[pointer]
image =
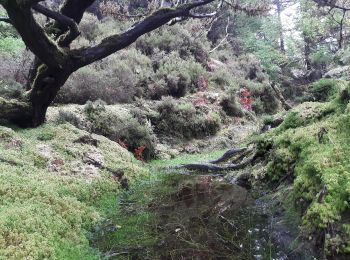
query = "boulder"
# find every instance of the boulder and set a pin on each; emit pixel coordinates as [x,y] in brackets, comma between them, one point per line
[339,73]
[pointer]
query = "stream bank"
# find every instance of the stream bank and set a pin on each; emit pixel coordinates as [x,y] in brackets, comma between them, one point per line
[183,216]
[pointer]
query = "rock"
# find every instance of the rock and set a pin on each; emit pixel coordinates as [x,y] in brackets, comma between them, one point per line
[56,165]
[14,144]
[297,73]
[93,157]
[165,152]
[214,65]
[314,75]
[191,149]
[339,73]
[45,150]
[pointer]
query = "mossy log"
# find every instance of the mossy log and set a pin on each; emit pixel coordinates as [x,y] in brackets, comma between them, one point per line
[15,111]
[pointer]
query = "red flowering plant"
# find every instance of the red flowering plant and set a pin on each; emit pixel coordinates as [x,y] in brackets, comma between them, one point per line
[245,99]
[139,153]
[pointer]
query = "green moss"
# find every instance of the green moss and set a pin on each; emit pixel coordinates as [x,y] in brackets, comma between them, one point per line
[315,138]
[48,213]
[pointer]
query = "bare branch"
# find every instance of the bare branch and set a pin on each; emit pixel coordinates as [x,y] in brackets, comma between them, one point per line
[207,15]
[224,39]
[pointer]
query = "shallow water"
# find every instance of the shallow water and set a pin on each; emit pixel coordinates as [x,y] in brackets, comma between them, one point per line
[207,218]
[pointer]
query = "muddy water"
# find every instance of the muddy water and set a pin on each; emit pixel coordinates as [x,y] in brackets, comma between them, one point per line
[205,218]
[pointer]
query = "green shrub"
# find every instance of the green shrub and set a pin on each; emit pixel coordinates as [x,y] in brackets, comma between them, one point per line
[175,38]
[230,104]
[46,135]
[11,45]
[184,121]
[293,120]
[11,89]
[69,117]
[180,76]
[323,90]
[116,79]
[120,126]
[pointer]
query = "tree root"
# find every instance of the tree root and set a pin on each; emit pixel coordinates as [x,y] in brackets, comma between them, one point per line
[227,155]
[238,163]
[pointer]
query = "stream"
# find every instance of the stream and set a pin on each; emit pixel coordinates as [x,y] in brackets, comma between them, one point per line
[205,217]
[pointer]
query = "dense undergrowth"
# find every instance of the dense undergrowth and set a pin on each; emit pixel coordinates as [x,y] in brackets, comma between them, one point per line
[312,147]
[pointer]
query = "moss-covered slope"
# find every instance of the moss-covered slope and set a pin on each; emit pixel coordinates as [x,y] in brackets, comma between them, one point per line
[55,182]
[312,147]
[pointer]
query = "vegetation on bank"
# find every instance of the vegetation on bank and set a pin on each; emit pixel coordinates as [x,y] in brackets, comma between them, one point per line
[311,147]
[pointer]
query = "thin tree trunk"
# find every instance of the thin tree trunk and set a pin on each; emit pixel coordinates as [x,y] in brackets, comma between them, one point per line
[341,31]
[279,12]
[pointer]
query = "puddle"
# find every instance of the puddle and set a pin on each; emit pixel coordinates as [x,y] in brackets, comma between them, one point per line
[205,218]
[210,219]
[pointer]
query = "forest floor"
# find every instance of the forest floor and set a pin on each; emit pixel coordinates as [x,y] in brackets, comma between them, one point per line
[70,194]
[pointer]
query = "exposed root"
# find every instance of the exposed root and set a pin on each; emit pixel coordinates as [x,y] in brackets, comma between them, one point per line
[245,157]
[227,155]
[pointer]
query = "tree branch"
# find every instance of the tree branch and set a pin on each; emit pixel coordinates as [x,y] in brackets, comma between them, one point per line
[117,42]
[34,36]
[65,39]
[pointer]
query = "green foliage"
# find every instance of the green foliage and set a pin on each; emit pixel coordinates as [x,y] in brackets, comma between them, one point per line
[120,126]
[47,213]
[11,89]
[324,90]
[181,76]
[11,45]
[184,121]
[118,78]
[293,120]
[46,135]
[316,143]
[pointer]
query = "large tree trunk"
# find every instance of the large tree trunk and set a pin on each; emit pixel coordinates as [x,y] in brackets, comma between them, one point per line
[45,88]
[30,111]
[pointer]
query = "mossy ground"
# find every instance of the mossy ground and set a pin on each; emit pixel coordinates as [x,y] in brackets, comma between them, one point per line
[50,198]
[312,145]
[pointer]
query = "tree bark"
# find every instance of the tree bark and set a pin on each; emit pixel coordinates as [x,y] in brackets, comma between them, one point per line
[44,90]
[279,13]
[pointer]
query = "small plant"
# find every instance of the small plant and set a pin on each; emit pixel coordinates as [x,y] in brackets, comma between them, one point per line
[323,90]
[246,99]
[46,136]
[139,153]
